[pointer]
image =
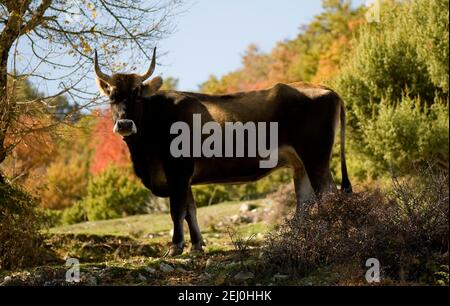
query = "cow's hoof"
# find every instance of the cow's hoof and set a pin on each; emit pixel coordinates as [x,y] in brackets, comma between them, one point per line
[174,250]
[196,251]
[197,248]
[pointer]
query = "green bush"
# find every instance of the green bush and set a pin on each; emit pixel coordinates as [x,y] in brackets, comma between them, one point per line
[52,217]
[212,194]
[261,187]
[74,214]
[390,83]
[20,224]
[113,193]
[407,133]
[400,54]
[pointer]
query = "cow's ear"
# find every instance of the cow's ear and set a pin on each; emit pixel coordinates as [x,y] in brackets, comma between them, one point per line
[152,86]
[103,87]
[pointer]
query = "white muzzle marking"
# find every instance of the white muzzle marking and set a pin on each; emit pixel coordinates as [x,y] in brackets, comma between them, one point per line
[125,127]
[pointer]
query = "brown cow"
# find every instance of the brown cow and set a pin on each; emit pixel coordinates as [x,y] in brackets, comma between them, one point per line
[307,117]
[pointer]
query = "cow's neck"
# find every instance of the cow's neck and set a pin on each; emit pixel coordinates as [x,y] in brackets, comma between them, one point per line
[133,142]
[137,155]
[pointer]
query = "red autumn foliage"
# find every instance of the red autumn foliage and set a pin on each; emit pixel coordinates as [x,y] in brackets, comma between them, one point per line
[109,148]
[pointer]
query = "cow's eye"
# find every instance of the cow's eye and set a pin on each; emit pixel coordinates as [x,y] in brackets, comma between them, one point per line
[136,92]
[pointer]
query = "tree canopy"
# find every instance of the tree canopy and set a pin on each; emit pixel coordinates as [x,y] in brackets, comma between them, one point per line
[60,35]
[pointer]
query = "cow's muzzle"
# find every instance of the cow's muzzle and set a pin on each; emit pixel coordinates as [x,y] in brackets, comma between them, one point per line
[125,127]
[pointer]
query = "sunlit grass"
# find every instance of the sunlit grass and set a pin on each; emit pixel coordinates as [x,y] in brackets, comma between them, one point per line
[151,225]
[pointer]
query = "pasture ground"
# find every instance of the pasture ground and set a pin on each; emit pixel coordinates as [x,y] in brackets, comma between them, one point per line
[130,251]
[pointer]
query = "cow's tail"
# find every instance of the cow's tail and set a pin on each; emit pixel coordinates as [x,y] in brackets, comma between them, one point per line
[346,186]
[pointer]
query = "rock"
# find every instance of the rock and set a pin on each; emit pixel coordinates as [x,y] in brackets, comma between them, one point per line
[234,218]
[248,207]
[209,263]
[256,218]
[243,276]
[260,236]
[280,277]
[141,277]
[246,219]
[166,268]
[149,269]
[7,281]
[182,270]
[185,261]
[244,208]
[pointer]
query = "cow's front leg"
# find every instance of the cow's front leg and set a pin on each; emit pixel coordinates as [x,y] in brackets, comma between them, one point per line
[194,230]
[178,211]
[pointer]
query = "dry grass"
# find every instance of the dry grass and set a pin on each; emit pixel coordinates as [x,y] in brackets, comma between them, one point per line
[405,229]
[240,244]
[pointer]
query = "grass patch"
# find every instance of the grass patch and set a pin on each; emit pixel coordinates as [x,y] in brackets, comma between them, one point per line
[151,224]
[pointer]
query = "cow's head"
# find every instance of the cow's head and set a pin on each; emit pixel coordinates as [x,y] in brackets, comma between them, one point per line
[125,92]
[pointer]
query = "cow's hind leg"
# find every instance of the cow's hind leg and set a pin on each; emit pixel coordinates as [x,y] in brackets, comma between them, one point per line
[194,229]
[319,174]
[304,193]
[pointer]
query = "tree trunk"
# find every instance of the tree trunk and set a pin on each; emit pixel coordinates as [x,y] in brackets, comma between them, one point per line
[10,33]
[5,104]
[14,27]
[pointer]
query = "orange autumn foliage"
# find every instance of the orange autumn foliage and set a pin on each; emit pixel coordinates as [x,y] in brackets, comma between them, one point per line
[32,139]
[109,148]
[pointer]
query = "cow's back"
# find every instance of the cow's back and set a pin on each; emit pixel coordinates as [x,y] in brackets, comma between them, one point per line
[254,106]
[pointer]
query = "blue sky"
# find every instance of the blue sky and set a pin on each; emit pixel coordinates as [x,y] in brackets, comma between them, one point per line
[212,35]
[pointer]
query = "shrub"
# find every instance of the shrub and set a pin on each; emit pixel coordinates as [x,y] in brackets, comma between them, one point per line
[74,214]
[113,193]
[67,176]
[406,52]
[285,202]
[401,60]
[213,194]
[210,194]
[51,217]
[406,133]
[20,239]
[66,182]
[263,186]
[406,230]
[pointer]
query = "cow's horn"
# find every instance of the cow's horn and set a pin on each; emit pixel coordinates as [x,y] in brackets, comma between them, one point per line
[151,68]
[98,72]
